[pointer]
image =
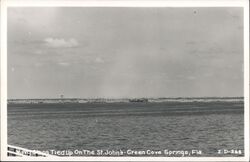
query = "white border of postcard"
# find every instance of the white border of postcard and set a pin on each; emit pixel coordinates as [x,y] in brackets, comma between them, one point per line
[120,3]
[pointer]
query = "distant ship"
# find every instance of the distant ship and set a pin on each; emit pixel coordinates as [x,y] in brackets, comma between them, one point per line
[138,100]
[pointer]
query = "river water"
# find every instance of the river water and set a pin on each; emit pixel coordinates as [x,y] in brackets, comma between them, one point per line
[171,126]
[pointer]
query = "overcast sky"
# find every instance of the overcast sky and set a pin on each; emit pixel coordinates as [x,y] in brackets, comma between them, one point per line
[125,52]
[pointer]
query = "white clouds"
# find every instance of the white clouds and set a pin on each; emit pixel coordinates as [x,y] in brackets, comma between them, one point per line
[61,43]
[117,61]
[63,63]
[99,60]
[38,52]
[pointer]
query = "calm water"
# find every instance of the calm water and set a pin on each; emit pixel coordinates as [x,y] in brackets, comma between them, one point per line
[136,126]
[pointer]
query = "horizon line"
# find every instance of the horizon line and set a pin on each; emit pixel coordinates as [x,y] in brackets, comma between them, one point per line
[125,98]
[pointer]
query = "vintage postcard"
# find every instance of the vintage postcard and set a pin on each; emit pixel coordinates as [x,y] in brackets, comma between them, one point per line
[124,80]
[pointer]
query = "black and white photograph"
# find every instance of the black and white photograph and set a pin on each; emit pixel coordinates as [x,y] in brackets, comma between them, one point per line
[126,82]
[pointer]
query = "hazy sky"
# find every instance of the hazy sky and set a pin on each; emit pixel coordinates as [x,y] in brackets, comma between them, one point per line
[125,52]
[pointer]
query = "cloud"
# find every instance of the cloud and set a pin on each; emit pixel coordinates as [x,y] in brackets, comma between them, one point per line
[191,77]
[99,60]
[61,43]
[38,64]
[64,63]
[38,52]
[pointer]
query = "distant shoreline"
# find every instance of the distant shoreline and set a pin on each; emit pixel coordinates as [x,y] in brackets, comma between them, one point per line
[235,97]
[125,100]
